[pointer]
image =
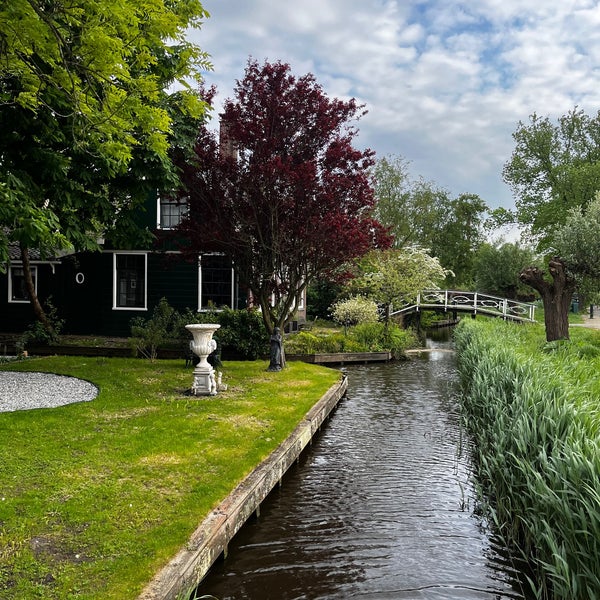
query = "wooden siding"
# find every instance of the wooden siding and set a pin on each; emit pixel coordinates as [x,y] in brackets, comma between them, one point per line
[81,288]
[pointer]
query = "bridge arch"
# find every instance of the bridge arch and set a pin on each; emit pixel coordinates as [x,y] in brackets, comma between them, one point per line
[470,302]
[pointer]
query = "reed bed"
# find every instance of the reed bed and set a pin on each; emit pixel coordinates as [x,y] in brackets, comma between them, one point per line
[534,412]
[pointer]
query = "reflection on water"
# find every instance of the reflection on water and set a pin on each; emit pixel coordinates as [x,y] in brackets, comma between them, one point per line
[379,507]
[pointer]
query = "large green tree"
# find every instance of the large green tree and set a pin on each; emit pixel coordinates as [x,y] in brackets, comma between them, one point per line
[576,266]
[497,268]
[554,169]
[421,214]
[86,119]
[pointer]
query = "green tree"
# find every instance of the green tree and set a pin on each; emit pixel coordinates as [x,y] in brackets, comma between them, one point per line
[411,209]
[497,269]
[574,264]
[459,237]
[86,121]
[395,277]
[553,168]
[420,214]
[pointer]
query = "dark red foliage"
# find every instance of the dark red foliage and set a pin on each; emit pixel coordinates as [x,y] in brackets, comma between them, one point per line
[283,192]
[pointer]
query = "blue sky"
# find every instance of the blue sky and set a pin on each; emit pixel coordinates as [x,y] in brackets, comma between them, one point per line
[445,81]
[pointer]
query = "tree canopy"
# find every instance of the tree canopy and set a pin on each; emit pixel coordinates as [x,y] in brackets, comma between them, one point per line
[421,214]
[86,119]
[553,168]
[394,277]
[284,193]
[497,268]
[553,171]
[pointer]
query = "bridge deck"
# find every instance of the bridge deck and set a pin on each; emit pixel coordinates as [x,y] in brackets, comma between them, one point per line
[471,302]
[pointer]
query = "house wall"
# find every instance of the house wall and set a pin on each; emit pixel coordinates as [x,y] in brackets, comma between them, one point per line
[89,305]
[81,288]
[16,316]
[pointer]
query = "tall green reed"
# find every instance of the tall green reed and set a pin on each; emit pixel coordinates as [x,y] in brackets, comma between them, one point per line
[535,418]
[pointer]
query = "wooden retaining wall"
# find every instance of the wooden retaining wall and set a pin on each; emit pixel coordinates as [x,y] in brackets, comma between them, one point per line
[185,571]
[341,358]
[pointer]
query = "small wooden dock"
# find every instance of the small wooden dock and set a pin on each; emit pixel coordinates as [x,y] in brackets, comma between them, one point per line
[341,358]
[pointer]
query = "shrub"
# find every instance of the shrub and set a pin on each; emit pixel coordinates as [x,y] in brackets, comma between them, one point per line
[242,331]
[37,334]
[367,337]
[355,310]
[302,343]
[148,334]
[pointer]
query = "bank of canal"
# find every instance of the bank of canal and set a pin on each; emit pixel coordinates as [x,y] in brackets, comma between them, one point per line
[381,506]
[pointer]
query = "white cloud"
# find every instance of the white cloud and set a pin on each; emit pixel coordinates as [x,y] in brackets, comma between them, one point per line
[445,81]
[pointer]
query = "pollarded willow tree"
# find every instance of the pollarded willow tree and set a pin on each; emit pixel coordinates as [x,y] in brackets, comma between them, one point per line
[554,169]
[86,122]
[577,242]
[283,193]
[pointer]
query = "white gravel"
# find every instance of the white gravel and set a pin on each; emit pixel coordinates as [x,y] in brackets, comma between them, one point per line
[25,391]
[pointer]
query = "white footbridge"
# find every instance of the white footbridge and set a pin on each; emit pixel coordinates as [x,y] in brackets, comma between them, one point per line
[455,301]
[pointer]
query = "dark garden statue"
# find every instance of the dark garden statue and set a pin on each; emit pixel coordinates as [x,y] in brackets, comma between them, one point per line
[276,362]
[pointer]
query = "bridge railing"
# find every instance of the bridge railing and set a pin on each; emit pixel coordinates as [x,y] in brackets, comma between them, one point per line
[474,302]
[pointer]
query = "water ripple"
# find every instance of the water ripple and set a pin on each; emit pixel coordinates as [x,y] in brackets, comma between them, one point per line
[378,508]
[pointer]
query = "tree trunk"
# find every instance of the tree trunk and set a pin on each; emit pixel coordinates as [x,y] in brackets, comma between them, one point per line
[38,311]
[556,296]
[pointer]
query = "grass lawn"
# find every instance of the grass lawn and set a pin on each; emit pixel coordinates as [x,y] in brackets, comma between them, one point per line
[95,497]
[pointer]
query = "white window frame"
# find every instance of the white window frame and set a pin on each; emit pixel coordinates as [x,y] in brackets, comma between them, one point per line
[232,296]
[34,275]
[115,281]
[184,203]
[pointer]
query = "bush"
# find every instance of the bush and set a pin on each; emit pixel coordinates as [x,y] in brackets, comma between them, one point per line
[242,331]
[368,337]
[355,310]
[37,334]
[148,334]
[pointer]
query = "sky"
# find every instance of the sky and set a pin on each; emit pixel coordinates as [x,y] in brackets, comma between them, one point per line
[445,82]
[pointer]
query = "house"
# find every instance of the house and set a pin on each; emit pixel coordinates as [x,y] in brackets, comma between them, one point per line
[99,293]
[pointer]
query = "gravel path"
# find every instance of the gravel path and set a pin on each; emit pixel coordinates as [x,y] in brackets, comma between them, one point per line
[25,391]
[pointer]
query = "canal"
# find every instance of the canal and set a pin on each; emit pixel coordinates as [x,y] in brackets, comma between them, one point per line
[381,506]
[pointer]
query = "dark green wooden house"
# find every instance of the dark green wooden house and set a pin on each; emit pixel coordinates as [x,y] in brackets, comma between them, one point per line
[98,293]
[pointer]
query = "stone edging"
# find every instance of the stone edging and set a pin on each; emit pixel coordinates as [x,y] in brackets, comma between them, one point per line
[210,540]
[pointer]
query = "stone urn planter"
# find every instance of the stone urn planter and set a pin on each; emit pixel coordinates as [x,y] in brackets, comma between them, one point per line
[205,383]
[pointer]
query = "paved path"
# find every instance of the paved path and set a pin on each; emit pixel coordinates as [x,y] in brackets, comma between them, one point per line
[591,323]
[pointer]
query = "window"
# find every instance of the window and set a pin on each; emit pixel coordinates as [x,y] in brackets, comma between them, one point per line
[129,288]
[17,291]
[216,281]
[171,212]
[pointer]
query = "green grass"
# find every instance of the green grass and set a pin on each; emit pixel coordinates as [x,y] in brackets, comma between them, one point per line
[95,497]
[534,412]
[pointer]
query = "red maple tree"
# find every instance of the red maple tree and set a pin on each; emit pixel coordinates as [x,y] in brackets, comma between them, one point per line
[283,192]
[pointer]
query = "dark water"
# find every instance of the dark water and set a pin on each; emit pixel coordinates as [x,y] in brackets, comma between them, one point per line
[380,506]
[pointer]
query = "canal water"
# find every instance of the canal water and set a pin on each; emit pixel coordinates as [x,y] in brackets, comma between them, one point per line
[381,506]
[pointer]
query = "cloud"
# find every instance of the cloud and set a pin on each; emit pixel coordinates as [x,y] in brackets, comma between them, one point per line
[445,81]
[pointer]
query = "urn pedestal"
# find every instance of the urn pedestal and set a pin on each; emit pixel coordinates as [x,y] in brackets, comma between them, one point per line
[202,345]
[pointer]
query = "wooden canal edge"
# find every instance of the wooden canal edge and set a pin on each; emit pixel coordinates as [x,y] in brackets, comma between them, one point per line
[189,566]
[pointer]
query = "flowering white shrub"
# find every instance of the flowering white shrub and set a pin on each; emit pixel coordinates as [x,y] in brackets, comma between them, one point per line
[355,310]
